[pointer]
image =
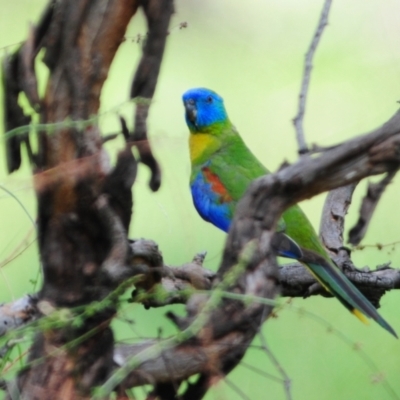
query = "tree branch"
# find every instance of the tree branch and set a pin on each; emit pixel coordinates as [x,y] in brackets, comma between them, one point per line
[296,280]
[159,284]
[158,16]
[298,119]
[335,209]
[368,205]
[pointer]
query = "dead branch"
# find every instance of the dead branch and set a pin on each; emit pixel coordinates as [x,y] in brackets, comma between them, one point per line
[158,16]
[368,205]
[296,280]
[145,261]
[334,212]
[183,361]
[298,119]
[372,283]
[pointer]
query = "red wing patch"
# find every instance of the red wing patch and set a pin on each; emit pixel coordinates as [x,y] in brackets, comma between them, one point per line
[216,185]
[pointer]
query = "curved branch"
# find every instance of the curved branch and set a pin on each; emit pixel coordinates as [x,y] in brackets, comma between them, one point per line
[158,15]
[368,205]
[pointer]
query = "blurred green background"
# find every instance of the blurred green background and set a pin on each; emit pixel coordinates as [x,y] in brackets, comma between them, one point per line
[252,54]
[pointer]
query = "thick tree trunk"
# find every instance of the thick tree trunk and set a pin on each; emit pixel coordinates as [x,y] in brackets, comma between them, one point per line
[84,206]
[80,43]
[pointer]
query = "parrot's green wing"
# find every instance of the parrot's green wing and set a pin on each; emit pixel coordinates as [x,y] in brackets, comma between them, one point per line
[236,178]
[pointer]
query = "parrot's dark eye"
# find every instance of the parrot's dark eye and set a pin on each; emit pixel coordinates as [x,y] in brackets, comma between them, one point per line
[209,99]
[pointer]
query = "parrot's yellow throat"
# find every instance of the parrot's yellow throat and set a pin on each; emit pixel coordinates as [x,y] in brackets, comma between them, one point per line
[200,145]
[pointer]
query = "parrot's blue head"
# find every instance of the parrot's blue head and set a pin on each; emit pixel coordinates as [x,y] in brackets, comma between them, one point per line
[203,108]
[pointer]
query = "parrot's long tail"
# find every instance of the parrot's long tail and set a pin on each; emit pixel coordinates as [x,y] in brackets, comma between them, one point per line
[335,282]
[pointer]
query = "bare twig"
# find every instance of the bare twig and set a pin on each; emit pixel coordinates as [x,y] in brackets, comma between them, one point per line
[236,389]
[260,372]
[298,119]
[368,205]
[285,377]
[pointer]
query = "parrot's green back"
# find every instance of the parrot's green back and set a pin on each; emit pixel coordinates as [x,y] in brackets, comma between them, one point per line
[223,168]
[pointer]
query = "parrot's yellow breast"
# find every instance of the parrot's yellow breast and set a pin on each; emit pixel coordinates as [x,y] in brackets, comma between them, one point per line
[199,144]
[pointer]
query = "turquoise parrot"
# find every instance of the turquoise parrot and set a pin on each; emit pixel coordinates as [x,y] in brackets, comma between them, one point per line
[222,169]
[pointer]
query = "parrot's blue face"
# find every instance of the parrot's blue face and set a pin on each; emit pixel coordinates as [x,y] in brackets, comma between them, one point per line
[203,108]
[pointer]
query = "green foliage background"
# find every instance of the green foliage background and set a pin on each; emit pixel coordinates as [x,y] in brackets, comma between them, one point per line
[252,54]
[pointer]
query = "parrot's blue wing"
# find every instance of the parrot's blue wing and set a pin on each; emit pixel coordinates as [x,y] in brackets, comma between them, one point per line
[211,199]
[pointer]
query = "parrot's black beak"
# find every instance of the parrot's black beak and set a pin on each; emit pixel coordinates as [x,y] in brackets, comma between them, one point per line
[191,111]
